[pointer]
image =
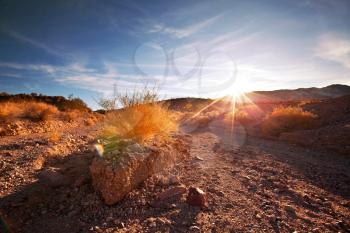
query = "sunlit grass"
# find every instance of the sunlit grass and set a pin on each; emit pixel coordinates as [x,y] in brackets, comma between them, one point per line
[27,109]
[141,119]
[285,119]
[139,122]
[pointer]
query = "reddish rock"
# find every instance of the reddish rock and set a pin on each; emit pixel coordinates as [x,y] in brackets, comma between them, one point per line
[80,181]
[172,192]
[196,197]
[115,180]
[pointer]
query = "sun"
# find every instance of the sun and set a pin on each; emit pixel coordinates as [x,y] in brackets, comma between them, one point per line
[236,91]
[238,88]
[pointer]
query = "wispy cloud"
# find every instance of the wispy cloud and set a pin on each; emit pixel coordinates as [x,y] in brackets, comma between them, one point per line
[78,75]
[183,32]
[334,48]
[33,67]
[10,75]
[25,39]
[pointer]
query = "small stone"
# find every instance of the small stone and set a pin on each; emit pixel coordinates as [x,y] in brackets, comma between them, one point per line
[39,163]
[221,194]
[72,213]
[289,209]
[121,225]
[163,221]
[272,218]
[151,222]
[162,181]
[196,197]
[258,216]
[198,158]
[172,192]
[195,229]
[80,181]
[174,180]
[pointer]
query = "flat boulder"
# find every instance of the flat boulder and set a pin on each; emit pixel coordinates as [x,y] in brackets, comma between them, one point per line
[115,179]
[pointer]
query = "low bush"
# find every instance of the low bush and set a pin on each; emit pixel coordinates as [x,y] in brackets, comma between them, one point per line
[139,122]
[142,118]
[286,119]
[10,110]
[72,115]
[39,111]
[30,110]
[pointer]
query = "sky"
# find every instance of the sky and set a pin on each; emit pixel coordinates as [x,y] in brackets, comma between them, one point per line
[90,48]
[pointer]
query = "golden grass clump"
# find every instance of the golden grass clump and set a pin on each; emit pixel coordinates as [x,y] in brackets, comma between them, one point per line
[72,115]
[27,109]
[39,111]
[10,110]
[139,122]
[286,119]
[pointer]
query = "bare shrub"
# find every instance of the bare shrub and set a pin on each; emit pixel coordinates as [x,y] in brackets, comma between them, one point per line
[286,119]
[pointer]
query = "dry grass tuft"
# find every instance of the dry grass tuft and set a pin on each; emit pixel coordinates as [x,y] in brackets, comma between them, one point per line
[286,119]
[142,118]
[72,115]
[27,109]
[91,120]
[139,122]
[39,111]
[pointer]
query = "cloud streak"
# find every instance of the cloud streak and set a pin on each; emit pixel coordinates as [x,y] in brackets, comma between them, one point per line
[24,39]
[185,31]
[334,48]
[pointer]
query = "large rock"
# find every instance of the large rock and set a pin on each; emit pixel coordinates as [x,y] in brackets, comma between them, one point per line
[115,179]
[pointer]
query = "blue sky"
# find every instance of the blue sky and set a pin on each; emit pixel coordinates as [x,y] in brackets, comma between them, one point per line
[187,48]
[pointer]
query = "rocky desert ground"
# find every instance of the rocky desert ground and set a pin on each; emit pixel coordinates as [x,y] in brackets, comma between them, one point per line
[228,180]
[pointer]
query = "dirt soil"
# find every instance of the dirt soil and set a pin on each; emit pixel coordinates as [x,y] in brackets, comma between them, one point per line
[252,185]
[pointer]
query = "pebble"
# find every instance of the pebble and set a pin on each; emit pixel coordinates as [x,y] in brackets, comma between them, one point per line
[289,209]
[221,194]
[172,192]
[195,229]
[174,180]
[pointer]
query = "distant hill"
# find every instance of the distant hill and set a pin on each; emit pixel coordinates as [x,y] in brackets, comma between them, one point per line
[327,92]
[188,103]
[276,96]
